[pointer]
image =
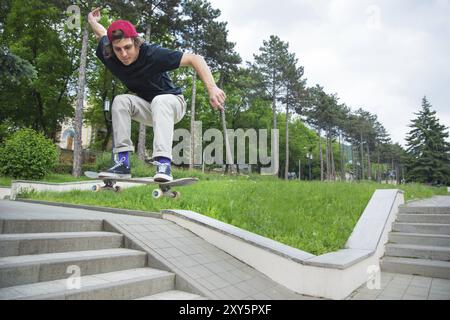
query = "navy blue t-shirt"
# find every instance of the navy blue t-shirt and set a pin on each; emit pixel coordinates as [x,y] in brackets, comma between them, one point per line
[147,76]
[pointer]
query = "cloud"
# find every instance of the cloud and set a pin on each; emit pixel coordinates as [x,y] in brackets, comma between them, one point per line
[383,56]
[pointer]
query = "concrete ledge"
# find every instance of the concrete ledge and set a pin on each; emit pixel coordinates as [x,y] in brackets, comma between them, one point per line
[18,186]
[333,275]
[341,259]
[368,231]
[5,192]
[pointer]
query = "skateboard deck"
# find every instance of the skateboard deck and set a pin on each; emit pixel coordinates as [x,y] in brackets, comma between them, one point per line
[163,190]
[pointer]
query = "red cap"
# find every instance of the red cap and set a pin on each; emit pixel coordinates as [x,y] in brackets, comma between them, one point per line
[127,27]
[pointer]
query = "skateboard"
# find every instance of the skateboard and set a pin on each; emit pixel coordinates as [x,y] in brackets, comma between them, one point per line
[163,190]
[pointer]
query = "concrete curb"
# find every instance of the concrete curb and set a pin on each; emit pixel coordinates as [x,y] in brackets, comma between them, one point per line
[18,186]
[5,192]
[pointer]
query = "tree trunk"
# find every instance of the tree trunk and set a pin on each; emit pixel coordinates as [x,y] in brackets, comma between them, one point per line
[274,106]
[378,167]
[369,165]
[78,124]
[341,151]
[320,156]
[274,111]
[286,168]
[194,93]
[361,147]
[333,167]
[327,157]
[228,168]
[229,158]
[354,173]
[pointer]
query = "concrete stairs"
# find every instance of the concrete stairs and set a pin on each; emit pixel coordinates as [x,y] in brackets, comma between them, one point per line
[419,243]
[76,259]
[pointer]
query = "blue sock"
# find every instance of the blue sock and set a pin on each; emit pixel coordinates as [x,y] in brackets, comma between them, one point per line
[163,160]
[126,156]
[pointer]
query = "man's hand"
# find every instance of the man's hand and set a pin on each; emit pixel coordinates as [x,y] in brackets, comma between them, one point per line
[93,19]
[217,98]
[94,15]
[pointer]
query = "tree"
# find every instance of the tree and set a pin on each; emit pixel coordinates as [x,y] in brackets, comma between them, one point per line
[321,114]
[13,68]
[294,92]
[428,148]
[198,15]
[222,58]
[269,64]
[30,36]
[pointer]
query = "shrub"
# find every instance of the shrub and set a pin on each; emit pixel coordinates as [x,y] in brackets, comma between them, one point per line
[27,154]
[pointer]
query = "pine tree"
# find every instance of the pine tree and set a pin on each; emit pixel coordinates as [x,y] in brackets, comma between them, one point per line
[429,151]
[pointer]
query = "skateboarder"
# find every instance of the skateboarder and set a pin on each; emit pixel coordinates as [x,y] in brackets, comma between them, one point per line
[143,67]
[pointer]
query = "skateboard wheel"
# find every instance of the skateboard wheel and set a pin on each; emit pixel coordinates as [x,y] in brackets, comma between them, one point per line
[96,188]
[117,189]
[157,193]
[176,194]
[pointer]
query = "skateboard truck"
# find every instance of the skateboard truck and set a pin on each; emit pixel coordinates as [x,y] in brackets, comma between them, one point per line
[165,191]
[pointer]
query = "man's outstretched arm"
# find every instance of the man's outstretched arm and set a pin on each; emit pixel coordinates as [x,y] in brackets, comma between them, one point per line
[93,19]
[216,95]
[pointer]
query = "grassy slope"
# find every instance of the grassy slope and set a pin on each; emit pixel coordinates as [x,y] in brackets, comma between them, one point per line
[312,216]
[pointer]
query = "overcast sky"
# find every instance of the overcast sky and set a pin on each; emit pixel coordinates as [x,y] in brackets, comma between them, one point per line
[383,56]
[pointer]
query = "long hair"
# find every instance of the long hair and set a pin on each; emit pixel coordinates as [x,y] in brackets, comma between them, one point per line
[108,51]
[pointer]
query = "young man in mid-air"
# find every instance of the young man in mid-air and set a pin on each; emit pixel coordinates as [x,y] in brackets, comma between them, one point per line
[143,67]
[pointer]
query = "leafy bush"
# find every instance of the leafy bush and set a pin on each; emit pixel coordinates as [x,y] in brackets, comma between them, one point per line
[7,128]
[27,154]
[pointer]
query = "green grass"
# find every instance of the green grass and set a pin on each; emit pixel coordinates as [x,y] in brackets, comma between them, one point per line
[54,177]
[316,217]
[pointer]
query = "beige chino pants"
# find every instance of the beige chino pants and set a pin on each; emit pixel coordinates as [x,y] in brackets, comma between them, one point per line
[162,114]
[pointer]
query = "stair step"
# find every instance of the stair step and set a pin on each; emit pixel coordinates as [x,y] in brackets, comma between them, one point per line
[173,295]
[418,251]
[424,210]
[421,267]
[439,240]
[119,285]
[427,228]
[18,270]
[423,218]
[37,243]
[43,225]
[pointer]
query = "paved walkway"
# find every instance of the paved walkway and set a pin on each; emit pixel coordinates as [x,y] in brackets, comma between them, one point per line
[435,201]
[395,286]
[217,273]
